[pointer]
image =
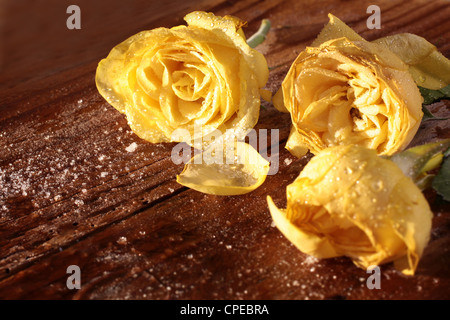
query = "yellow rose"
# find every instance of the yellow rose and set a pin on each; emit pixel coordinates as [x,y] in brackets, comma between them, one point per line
[200,75]
[349,91]
[348,201]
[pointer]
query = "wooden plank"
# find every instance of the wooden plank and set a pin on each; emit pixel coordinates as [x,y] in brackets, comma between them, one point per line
[71,193]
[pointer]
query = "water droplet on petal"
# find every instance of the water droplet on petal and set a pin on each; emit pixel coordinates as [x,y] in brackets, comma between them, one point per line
[377,185]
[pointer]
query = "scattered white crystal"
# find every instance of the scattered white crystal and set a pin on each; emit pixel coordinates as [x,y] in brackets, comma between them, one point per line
[132,147]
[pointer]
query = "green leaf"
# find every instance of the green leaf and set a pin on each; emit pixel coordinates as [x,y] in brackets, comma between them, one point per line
[427,115]
[416,161]
[431,96]
[447,153]
[441,183]
[425,182]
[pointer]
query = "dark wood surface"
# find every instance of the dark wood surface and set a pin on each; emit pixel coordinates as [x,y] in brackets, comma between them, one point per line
[71,194]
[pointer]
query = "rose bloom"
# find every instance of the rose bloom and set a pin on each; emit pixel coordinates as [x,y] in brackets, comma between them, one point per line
[200,75]
[347,201]
[349,92]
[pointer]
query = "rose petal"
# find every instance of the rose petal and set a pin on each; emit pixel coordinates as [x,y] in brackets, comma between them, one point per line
[208,172]
[429,68]
[306,242]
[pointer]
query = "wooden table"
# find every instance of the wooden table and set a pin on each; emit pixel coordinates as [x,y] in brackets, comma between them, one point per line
[71,194]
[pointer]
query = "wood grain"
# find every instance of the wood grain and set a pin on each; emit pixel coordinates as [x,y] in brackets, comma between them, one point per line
[71,193]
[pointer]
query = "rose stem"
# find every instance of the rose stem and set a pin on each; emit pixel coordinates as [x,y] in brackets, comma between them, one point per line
[260,35]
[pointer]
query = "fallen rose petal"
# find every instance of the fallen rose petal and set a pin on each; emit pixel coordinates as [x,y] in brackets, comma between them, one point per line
[209,172]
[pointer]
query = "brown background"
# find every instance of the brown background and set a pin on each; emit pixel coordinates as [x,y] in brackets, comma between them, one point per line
[71,194]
